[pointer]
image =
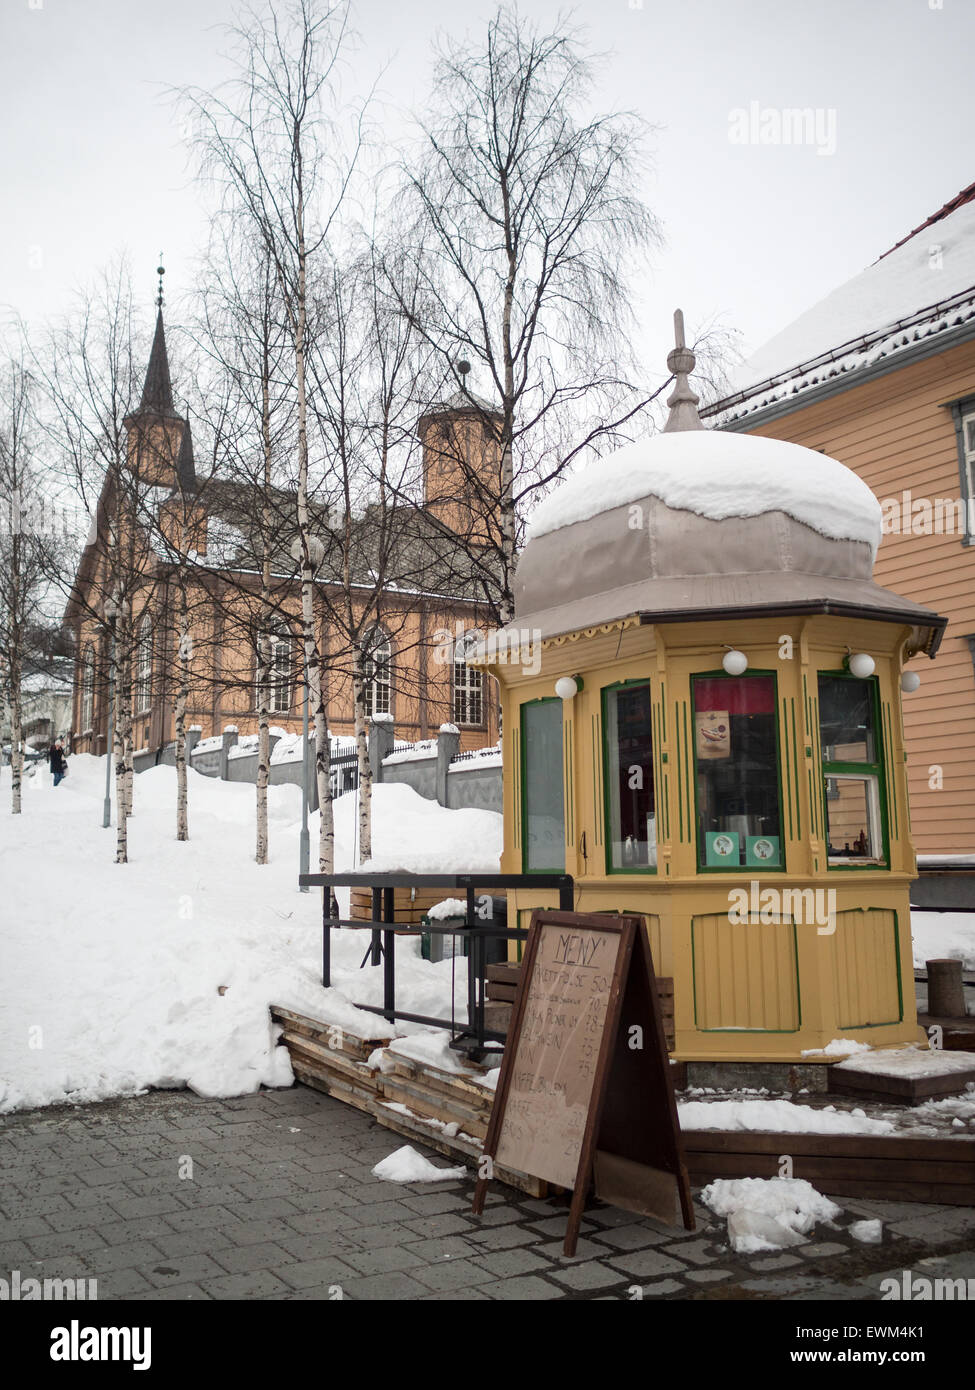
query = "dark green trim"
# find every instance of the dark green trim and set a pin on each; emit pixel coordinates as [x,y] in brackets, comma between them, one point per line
[741,868]
[643,871]
[554,868]
[863,769]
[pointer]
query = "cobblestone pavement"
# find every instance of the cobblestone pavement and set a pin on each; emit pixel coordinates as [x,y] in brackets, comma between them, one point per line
[281,1204]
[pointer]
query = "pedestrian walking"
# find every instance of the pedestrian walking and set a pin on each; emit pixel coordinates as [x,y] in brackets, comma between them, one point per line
[59,762]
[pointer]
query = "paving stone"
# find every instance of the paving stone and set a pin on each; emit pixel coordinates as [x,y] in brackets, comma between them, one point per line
[503,1238]
[127,1207]
[301,1274]
[645,1264]
[771,1262]
[585,1250]
[442,1248]
[122,1283]
[504,1264]
[628,1237]
[588,1275]
[244,1259]
[707,1276]
[661,1289]
[386,1288]
[432,1202]
[451,1274]
[111,1257]
[944,1226]
[66,1243]
[782,1286]
[443,1224]
[822,1249]
[456,1296]
[175,1293]
[385,1260]
[261,1284]
[185,1270]
[698,1252]
[522,1290]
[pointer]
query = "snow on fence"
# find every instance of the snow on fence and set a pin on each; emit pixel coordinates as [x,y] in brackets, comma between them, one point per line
[474,778]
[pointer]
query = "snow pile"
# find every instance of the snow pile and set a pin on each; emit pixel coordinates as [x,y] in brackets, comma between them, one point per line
[839,1047]
[868,1232]
[720,475]
[943,936]
[420,836]
[777,1117]
[159,973]
[450,907]
[909,1062]
[768,1213]
[409,1165]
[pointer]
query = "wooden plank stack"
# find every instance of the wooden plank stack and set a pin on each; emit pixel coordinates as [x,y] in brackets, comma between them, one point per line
[449,1110]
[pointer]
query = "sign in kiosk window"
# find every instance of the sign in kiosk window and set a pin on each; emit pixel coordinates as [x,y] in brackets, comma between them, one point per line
[736,755]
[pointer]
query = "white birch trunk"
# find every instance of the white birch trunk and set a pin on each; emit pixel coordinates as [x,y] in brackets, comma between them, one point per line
[182,699]
[263,744]
[365,770]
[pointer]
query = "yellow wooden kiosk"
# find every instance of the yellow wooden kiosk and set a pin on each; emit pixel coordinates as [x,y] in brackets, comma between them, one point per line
[701,695]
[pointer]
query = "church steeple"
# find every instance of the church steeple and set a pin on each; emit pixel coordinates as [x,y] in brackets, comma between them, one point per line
[160,449]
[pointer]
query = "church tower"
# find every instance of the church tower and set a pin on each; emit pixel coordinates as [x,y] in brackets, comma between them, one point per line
[461,459]
[159,444]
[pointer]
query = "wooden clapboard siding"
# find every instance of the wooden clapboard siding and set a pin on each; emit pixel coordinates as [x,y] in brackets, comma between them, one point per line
[897,434]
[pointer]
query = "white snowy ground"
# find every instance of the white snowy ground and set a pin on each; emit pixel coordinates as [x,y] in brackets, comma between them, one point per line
[111,974]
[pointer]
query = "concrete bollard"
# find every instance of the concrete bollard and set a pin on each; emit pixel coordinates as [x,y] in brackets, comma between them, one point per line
[946,993]
[229,738]
[448,746]
[382,740]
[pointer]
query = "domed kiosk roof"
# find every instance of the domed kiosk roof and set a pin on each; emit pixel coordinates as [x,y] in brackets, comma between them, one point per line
[695,523]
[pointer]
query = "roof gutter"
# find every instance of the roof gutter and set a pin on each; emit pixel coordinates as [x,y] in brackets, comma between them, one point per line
[825,606]
[846,381]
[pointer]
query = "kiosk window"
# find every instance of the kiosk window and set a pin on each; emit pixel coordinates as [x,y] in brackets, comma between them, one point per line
[543,806]
[851,769]
[632,841]
[737,762]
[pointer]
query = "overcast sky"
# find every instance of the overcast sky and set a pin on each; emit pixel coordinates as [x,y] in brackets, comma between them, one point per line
[92,160]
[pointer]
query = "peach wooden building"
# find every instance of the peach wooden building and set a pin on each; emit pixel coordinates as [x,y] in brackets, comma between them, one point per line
[881,375]
[205,532]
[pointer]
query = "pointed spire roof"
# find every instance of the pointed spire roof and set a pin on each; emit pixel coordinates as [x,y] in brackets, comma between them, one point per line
[157,393]
[682,400]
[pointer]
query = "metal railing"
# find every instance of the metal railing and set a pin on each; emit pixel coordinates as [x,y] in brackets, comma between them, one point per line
[384,929]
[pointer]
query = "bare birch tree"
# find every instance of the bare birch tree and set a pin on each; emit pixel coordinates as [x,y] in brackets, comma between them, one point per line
[526,225]
[272,140]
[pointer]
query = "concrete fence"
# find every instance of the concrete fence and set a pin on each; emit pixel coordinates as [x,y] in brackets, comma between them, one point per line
[435,768]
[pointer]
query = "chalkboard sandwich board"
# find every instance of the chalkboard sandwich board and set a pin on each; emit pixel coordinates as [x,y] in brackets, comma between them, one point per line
[585,1099]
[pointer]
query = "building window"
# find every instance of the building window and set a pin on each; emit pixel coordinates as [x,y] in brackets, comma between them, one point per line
[631,845]
[851,770]
[143,665]
[468,686]
[87,707]
[737,761]
[377,661]
[963,413]
[543,804]
[279,689]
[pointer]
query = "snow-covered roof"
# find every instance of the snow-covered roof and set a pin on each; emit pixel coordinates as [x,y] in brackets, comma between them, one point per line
[719,475]
[916,292]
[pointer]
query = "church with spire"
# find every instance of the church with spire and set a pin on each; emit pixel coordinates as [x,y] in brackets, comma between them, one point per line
[166,540]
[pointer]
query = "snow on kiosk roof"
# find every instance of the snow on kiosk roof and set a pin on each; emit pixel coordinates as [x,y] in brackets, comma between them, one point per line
[693,523]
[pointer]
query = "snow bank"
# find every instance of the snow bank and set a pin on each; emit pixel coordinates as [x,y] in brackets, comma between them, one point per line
[159,973]
[720,475]
[943,936]
[777,1117]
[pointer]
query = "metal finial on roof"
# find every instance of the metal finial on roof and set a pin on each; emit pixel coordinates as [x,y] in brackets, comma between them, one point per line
[682,400]
[160,271]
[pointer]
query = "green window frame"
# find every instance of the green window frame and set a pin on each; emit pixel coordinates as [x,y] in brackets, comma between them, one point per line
[613,814]
[759,836]
[871,773]
[537,841]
